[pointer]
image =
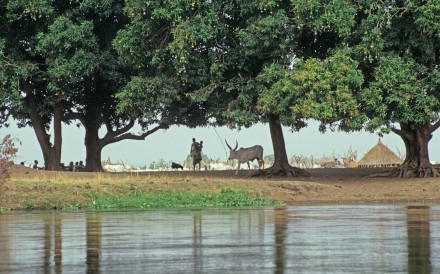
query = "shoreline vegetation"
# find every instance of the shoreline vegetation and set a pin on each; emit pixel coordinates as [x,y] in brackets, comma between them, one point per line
[48,190]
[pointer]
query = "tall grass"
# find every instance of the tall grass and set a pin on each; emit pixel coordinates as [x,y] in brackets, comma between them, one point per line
[177,199]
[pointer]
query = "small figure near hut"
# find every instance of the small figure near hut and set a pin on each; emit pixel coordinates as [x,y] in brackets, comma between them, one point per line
[196,153]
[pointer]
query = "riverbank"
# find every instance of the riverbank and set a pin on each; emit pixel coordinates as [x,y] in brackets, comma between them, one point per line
[30,188]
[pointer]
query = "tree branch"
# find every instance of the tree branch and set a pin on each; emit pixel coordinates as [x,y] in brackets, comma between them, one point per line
[398,132]
[112,138]
[74,116]
[125,128]
[435,126]
[37,123]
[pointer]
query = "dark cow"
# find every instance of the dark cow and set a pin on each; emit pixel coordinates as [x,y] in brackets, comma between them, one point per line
[244,155]
[176,166]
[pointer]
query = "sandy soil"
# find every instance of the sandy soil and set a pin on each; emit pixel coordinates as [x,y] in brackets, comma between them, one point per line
[325,185]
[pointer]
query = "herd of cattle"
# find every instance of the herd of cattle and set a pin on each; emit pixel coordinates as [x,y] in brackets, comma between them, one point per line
[242,155]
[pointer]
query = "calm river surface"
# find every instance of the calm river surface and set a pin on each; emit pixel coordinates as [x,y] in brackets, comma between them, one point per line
[297,239]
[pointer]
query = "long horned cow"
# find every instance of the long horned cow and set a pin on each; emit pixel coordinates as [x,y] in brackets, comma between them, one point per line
[244,155]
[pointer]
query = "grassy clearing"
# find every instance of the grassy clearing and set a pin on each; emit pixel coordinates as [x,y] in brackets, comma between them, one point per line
[48,191]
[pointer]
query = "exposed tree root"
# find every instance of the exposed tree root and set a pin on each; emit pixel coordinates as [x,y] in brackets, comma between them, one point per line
[407,171]
[277,171]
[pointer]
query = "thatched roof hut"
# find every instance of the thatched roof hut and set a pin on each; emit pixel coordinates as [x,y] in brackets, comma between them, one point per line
[380,156]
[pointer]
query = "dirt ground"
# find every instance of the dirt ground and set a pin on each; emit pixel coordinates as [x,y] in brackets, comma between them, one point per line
[324,186]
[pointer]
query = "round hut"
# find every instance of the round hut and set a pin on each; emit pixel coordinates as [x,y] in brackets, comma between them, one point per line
[380,156]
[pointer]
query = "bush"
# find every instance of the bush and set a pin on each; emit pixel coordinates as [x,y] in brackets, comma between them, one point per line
[7,154]
[4,171]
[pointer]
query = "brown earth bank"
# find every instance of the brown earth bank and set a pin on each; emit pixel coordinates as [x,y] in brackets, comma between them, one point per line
[323,186]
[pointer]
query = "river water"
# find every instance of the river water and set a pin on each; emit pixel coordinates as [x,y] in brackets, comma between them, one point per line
[293,239]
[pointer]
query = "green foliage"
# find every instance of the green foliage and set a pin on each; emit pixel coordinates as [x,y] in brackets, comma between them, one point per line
[348,64]
[63,48]
[214,50]
[392,76]
[276,89]
[428,18]
[330,15]
[63,56]
[34,9]
[326,90]
[401,92]
[259,36]
[170,46]
[177,199]
[64,36]
[141,95]
[4,209]
[71,50]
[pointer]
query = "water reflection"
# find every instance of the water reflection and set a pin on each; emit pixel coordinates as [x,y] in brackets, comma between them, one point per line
[197,242]
[52,243]
[419,251]
[94,235]
[330,239]
[281,223]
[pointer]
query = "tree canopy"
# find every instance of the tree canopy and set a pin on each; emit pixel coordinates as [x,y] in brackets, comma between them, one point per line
[349,64]
[396,46]
[59,65]
[227,47]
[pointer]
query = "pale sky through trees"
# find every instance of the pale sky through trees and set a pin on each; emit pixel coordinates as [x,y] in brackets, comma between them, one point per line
[174,144]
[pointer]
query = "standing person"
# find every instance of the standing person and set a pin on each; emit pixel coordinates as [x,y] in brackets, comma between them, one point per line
[196,153]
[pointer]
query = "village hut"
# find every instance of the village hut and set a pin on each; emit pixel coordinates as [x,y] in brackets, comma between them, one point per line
[380,156]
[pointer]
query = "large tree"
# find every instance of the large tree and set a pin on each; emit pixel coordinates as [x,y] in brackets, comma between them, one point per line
[268,45]
[264,38]
[30,99]
[396,45]
[92,73]
[217,50]
[60,65]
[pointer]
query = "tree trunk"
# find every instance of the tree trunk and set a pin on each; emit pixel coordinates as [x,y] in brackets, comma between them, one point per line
[92,122]
[416,163]
[93,144]
[51,154]
[281,166]
[54,162]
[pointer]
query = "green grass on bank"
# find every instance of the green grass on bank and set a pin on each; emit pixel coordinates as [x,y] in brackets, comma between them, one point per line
[178,199]
[65,191]
[138,199]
